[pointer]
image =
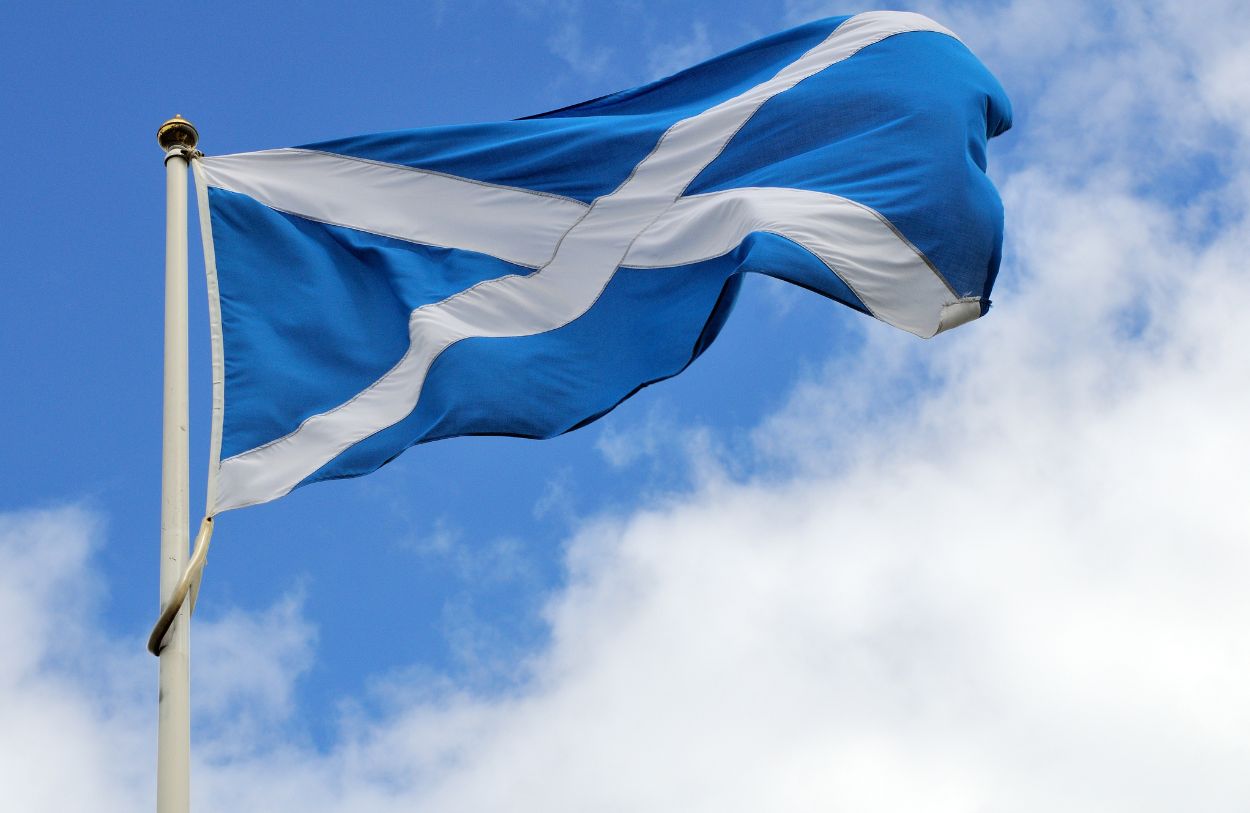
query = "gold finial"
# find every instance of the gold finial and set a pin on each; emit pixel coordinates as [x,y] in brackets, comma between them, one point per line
[177,132]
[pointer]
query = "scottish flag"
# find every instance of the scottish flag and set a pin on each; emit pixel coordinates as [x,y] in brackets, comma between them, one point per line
[525,277]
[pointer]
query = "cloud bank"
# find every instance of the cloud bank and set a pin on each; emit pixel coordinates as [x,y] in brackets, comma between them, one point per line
[1002,570]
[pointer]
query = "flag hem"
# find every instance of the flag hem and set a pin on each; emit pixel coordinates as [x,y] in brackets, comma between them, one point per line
[215,340]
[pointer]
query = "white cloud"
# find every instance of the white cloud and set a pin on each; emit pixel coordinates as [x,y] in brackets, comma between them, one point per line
[683,451]
[245,666]
[687,50]
[568,42]
[77,706]
[66,709]
[557,498]
[1019,586]
[475,561]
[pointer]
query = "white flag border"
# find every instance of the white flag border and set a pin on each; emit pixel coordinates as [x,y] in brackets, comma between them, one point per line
[216,341]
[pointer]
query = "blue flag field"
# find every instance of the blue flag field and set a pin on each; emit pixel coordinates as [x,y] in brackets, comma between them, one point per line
[524,277]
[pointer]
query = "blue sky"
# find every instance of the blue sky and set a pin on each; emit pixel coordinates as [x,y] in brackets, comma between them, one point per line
[827,567]
[294,79]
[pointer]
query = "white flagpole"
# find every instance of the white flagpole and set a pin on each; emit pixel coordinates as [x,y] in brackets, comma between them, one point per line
[173,744]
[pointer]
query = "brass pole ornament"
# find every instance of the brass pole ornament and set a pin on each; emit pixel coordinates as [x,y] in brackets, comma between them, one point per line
[178,137]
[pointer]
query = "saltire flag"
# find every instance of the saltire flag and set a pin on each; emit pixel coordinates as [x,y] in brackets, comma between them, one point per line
[524,277]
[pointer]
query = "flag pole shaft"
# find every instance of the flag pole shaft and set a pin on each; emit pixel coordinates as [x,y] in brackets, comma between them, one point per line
[173,748]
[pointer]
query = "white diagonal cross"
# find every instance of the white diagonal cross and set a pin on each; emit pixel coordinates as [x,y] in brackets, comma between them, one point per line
[646,222]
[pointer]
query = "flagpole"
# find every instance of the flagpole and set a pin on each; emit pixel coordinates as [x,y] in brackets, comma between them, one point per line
[173,740]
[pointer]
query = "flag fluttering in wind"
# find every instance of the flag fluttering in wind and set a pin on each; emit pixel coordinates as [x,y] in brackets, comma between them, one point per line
[524,277]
